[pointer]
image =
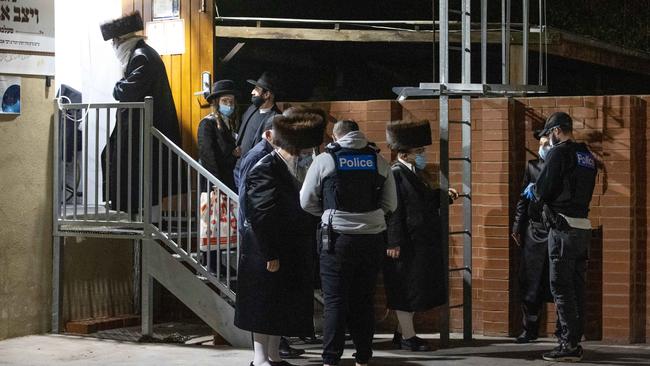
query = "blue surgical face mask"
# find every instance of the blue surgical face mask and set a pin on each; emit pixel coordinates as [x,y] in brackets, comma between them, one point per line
[420,161]
[305,159]
[226,110]
[543,151]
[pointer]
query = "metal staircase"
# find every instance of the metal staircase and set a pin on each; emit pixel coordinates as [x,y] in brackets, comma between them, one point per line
[167,244]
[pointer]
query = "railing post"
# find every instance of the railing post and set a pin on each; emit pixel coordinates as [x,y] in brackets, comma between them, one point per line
[57,241]
[147,280]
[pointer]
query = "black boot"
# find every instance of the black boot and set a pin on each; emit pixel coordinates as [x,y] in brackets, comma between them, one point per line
[415,344]
[286,351]
[526,337]
[564,353]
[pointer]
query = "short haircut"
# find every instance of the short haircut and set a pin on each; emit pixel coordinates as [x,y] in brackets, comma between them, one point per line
[342,128]
[565,129]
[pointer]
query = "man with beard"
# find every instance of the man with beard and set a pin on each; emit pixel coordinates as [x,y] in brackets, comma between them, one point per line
[262,108]
[144,75]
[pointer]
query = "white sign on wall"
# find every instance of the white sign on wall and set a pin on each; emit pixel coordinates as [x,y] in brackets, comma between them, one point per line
[27,25]
[167,37]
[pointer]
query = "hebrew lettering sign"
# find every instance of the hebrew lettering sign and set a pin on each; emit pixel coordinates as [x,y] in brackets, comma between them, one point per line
[27,25]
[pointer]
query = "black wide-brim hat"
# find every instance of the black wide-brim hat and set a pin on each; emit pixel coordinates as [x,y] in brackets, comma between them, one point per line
[298,130]
[121,26]
[222,87]
[557,119]
[405,135]
[267,81]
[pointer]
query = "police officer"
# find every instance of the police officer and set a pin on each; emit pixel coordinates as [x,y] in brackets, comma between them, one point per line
[564,187]
[531,235]
[351,188]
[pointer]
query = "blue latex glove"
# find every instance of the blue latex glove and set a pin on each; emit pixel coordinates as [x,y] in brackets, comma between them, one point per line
[528,192]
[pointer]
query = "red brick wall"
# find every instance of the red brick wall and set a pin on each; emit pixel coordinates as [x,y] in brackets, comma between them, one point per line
[616,130]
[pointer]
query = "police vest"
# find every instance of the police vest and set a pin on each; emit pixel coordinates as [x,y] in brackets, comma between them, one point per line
[578,181]
[355,185]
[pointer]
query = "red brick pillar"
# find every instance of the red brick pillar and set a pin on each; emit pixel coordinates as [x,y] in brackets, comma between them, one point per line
[492,141]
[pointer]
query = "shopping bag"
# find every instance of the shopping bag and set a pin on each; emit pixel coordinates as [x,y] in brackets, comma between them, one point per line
[215,222]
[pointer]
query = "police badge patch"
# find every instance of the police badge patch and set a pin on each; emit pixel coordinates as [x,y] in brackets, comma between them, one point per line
[586,160]
[357,162]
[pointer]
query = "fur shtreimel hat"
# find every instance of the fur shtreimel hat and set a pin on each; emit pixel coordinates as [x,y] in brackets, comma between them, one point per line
[405,135]
[121,26]
[298,130]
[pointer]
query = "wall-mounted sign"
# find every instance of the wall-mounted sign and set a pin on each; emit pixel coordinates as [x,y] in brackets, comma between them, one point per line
[165,9]
[27,25]
[10,92]
[167,37]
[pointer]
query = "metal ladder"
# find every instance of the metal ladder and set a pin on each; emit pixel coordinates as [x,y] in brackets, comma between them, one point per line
[445,87]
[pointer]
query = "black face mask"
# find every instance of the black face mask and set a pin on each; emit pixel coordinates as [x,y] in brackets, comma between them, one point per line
[257,100]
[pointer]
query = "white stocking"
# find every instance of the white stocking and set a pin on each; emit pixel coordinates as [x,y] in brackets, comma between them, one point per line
[261,347]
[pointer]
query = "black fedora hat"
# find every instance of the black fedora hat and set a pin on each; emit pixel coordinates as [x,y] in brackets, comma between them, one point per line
[267,81]
[221,87]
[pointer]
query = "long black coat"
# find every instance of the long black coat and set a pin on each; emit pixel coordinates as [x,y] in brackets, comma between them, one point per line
[414,281]
[534,284]
[144,76]
[279,303]
[216,145]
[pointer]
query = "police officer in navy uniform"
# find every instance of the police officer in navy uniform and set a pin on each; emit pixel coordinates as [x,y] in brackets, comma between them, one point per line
[531,236]
[565,187]
[351,188]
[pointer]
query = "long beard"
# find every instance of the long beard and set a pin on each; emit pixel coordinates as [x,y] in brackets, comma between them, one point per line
[124,49]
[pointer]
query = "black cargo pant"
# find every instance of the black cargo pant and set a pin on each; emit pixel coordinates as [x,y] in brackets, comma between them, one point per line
[568,251]
[348,276]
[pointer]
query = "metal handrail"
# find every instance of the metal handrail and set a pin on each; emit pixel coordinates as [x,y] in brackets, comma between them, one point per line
[177,226]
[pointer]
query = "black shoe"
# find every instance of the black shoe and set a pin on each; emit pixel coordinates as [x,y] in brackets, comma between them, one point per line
[280,363]
[525,337]
[286,351]
[415,344]
[563,353]
[397,338]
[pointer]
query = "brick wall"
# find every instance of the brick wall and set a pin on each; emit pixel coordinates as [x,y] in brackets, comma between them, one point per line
[616,130]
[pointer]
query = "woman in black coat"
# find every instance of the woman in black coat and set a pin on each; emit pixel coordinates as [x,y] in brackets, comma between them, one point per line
[216,137]
[274,288]
[413,270]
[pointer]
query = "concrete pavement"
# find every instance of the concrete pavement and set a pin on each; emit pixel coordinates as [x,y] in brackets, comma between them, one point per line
[56,350]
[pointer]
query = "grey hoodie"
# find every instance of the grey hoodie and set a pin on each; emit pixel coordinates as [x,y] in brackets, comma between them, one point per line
[371,222]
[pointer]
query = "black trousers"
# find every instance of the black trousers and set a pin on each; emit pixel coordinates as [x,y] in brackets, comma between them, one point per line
[348,277]
[568,253]
[534,275]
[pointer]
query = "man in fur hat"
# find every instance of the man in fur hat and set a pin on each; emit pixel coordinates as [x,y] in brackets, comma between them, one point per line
[143,75]
[274,287]
[413,269]
[350,187]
